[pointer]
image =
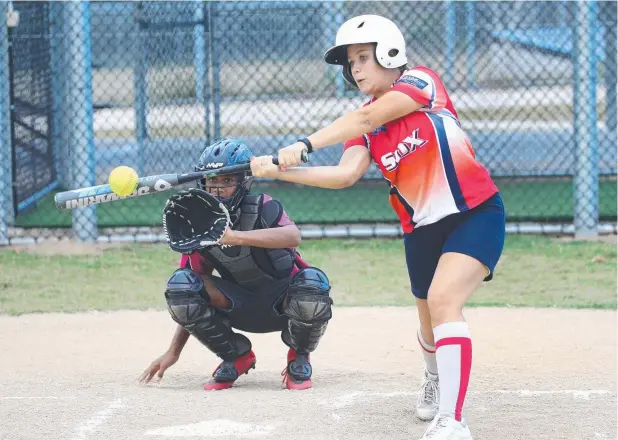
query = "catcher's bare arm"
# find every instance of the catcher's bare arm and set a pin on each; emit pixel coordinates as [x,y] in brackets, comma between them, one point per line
[170,357]
[181,336]
[275,238]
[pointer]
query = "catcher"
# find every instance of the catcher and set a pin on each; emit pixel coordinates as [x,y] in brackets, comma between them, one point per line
[263,285]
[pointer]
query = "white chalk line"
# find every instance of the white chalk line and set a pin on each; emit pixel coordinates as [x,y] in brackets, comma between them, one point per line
[90,425]
[213,428]
[577,394]
[350,398]
[35,397]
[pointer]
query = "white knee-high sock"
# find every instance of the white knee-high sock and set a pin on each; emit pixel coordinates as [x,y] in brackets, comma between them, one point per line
[454,358]
[429,353]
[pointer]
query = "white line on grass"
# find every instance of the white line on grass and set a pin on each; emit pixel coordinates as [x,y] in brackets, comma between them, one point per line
[90,425]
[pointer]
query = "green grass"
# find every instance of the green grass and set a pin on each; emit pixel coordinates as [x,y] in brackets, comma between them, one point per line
[534,272]
[525,200]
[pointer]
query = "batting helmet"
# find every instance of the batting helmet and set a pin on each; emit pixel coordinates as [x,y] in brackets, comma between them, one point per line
[390,45]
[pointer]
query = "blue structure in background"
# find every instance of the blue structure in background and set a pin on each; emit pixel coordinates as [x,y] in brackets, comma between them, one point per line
[208,36]
[78,101]
[6,168]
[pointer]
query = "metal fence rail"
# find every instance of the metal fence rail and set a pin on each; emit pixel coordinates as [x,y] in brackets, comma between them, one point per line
[149,84]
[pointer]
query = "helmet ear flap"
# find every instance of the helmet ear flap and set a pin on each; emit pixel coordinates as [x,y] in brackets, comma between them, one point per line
[347,75]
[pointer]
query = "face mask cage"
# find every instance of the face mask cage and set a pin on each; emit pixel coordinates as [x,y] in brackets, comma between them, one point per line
[242,182]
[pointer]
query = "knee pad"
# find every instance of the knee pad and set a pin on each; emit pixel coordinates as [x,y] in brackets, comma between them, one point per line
[186,297]
[308,309]
[189,305]
[308,297]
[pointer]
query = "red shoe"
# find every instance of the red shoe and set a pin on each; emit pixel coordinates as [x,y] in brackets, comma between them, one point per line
[227,372]
[297,374]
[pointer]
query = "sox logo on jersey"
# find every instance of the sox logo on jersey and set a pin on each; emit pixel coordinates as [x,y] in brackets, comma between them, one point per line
[391,160]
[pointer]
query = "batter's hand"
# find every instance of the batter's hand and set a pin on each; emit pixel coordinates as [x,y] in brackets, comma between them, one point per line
[290,156]
[263,166]
[158,367]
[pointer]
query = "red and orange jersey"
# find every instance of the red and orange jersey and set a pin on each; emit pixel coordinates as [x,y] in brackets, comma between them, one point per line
[426,156]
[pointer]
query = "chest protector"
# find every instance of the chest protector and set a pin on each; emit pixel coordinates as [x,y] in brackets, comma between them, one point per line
[248,266]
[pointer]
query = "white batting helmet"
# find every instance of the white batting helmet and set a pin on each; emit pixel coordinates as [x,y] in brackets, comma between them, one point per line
[390,44]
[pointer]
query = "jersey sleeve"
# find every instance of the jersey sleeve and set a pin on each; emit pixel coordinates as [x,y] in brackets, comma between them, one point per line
[424,86]
[361,140]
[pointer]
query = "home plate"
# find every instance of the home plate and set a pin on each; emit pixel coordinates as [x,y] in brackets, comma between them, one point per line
[213,428]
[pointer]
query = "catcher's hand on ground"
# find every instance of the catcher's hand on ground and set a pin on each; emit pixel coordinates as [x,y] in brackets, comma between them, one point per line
[194,219]
[158,367]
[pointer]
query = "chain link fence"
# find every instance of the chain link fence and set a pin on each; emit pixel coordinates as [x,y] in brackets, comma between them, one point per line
[85,87]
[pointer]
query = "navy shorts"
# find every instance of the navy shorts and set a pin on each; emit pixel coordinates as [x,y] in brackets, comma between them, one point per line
[256,311]
[478,233]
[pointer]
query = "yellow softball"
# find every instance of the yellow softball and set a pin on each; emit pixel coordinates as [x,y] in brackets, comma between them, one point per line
[123,180]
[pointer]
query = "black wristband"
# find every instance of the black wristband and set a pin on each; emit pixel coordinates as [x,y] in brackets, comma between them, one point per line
[307,143]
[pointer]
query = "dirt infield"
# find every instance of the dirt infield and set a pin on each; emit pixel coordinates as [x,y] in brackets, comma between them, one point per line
[537,374]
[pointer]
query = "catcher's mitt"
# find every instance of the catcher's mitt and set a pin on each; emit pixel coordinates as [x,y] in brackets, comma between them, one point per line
[194,219]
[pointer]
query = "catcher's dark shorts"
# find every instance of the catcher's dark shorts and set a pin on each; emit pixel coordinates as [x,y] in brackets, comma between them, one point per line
[255,311]
[479,233]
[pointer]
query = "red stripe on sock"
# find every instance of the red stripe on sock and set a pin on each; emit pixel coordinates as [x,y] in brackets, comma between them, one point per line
[423,345]
[465,365]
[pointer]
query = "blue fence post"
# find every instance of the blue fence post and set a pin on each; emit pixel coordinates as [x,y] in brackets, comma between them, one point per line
[6,169]
[611,72]
[207,89]
[216,68]
[140,79]
[563,13]
[586,179]
[333,20]
[60,93]
[79,107]
[58,78]
[470,43]
[449,42]
[199,47]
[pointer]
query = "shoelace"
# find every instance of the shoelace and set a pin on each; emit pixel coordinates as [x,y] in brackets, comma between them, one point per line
[434,427]
[428,392]
[223,367]
[284,373]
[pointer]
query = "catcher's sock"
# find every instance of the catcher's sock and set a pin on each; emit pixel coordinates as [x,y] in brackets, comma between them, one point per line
[454,356]
[429,353]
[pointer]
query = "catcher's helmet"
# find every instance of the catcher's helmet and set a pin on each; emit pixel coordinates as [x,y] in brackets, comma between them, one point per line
[390,48]
[224,153]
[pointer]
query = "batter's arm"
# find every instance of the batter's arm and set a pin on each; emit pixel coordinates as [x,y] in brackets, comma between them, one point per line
[392,105]
[353,164]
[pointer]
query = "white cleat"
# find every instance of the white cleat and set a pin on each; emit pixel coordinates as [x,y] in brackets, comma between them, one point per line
[428,400]
[445,427]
